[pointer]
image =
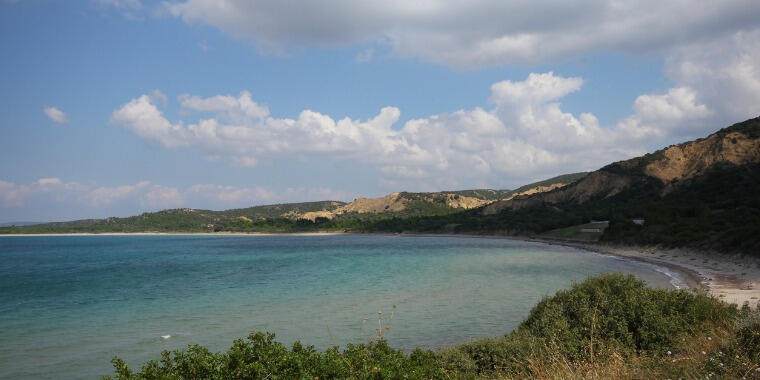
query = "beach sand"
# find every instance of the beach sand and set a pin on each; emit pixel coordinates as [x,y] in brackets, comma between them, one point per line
[732,278]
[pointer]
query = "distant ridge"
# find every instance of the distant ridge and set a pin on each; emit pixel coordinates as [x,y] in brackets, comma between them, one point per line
[19,224]
[290,217]
[701,193]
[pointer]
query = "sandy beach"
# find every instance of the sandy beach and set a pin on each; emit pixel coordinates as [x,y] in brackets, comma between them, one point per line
[732,278]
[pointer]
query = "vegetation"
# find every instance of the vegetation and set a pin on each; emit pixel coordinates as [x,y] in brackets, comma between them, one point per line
[565,178]
[185,220]
[611,326]
[581,232]
[493,195]
[717,210]
[487,194]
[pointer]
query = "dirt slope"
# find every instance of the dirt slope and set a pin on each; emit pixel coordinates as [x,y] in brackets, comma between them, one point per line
[738,144]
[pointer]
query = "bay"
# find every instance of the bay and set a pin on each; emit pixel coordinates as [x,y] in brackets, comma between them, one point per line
[68,304]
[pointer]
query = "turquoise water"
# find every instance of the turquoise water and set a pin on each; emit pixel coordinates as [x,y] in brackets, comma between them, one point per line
[69,304]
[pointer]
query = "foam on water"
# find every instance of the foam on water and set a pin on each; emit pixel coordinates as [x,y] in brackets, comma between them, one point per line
[69,304]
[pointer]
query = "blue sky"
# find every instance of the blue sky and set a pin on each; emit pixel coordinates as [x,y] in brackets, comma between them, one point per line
[115,107]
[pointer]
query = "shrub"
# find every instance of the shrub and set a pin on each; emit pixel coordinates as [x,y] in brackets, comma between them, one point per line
[619,313]
[602,322]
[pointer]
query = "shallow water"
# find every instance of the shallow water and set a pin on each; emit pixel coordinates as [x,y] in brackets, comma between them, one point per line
[68,304]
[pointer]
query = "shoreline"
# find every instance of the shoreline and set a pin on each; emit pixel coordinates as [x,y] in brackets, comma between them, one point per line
[734,279]
[183,234]
[731,278]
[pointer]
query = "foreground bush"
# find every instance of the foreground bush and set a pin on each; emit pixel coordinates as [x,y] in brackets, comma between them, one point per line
[607,326]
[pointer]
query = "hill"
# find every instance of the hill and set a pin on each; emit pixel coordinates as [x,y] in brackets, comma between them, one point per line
[564,179]
[293,217]
[700,193]
[182,220]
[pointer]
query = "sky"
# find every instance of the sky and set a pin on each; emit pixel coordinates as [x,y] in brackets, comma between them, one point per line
[118,107]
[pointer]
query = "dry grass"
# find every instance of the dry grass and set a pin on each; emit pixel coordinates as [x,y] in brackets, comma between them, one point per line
[692,358]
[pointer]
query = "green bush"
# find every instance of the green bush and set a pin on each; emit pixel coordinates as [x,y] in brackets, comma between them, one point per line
[604,315]
[620,314]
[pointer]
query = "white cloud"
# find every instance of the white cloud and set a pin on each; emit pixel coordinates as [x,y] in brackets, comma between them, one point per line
[725,74]
[122,4]
[105,195]
[11,194]
[536,88]
[235,109]
[524,135]
[45,198]
[161,197]
[142,117]
[658,115]
[49,181]
[204,46]
[460,33]
[365,56]
[56,115]
[232,194]
[19,195]
[245,161]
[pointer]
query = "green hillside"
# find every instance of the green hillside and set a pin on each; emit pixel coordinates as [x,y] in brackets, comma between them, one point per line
[716,209]
[181,220]
[701,193]
[565,178]
[267,218]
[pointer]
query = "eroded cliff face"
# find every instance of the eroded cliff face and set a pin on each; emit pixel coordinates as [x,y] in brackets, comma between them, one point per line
[461,201]
[390,203]
[671,165]
[688,160]
[396,202]
[598,183]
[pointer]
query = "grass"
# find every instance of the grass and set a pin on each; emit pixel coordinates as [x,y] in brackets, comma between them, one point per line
[577,232]
[611,326]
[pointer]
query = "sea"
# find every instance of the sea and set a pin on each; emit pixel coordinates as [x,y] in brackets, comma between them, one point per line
[69,304]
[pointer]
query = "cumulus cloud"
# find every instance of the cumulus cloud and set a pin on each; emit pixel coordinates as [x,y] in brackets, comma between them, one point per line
[656,115]
[56,115]
[18,195]
[159,197]
[49,181]
[536,88]
[11,194]
[44,198]
[725,74]
[232,194]
[524,133]
[475,33]
[106,195]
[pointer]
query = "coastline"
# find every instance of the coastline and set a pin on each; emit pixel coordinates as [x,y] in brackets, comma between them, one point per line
[732,278]
[182,234]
